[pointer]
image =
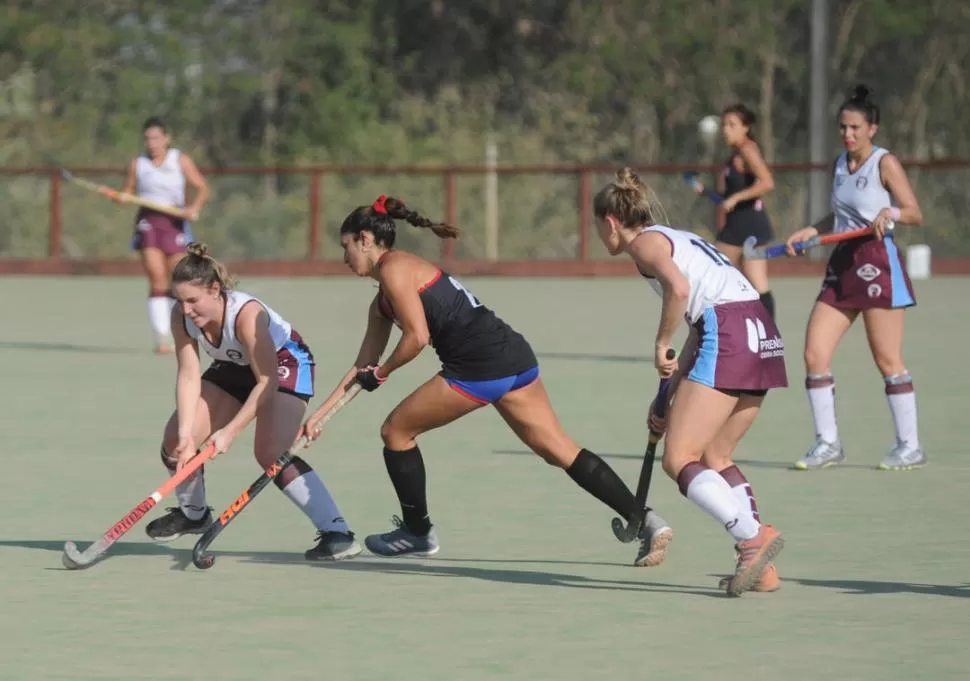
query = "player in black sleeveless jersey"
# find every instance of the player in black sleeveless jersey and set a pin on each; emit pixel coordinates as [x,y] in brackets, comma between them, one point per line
[743,183]
[483,361]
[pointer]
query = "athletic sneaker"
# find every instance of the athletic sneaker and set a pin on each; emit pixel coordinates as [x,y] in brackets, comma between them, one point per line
[174,524]
[753,557]
[334,546]
[769,580]
[903,457]
[164,344]
[403,542]
[654,538]
[822,455]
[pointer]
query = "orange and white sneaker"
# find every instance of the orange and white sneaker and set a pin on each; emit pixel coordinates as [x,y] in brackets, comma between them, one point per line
[769,580]
[753,557]
[164,345]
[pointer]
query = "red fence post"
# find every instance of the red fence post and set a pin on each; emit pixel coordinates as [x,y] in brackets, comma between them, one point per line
[54,229]
[584,190]
[451,213]
[314,236]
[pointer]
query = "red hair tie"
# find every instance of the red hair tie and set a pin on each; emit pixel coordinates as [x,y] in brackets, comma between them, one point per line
[380,206]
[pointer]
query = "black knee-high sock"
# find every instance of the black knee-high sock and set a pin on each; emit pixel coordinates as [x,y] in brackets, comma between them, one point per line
[406,470]
[769,302]
[596,477]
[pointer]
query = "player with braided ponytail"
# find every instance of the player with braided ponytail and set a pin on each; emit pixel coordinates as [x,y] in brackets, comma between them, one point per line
[484,361]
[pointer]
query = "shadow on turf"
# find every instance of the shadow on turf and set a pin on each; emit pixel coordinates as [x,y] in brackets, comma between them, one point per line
[434,567]
[639,457]
[68,347]
[866,587]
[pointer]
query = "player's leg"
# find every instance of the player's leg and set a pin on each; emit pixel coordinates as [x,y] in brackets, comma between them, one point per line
[826,326]
[215,409]
[884,330]
[529,413]
[277,422]
[718,456]
[431,405]
[696,417]
[155,264]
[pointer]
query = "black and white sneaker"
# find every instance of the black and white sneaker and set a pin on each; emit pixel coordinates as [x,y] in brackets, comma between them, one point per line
[334,546]
[174,524]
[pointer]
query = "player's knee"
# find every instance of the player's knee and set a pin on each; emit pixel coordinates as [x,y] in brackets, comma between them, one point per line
[394,437]
[816,359]
[890,365]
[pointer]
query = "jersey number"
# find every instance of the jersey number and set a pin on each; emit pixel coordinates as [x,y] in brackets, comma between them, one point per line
[711,252]
[471,299]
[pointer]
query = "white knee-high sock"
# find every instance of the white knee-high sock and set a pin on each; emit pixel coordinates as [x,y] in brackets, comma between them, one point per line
[821,397]
[301,484]
[706,488]
[901,396]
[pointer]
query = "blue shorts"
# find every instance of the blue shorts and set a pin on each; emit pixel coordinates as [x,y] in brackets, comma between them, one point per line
[486,392]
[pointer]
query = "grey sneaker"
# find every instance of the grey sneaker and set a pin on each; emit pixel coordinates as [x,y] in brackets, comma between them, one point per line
[655,537]
[822,455]
[334,546]
[402,542]
[903,457]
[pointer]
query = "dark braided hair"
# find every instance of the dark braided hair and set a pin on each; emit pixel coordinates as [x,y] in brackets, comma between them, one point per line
[378,219]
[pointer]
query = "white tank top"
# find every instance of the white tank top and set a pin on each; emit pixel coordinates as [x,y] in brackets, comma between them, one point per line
[858,197]
[712,279]
[163,184]
[230,349]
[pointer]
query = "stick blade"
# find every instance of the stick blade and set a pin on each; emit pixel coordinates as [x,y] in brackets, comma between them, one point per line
[623,532]
[72,558]
[750,250]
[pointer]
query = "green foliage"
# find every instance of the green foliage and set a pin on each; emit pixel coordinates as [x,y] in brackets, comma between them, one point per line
[285,82]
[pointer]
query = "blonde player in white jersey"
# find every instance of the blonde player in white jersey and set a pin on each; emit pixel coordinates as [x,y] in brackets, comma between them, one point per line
[261,370]
[867,275]
[733,355]
[161,174]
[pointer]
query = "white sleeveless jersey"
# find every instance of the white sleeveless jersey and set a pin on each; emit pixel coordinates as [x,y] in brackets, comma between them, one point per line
[858,197]
[712,279]
[230,349]
[163,184]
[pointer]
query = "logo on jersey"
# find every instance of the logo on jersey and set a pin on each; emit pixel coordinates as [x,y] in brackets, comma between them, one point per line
[234,354]
[874,290]
[758,341]
[840,179]
[868,272]
[861,182]
[283,372]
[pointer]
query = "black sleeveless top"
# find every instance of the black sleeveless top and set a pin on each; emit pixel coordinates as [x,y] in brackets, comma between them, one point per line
[471,342]
[736,181]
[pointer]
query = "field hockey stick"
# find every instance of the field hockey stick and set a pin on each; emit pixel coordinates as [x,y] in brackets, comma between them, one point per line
[628,532]
[751,252]
[203,560]
[73,559]
[690,177]
[123,197]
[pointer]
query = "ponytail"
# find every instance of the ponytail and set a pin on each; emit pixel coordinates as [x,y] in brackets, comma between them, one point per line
[198,267]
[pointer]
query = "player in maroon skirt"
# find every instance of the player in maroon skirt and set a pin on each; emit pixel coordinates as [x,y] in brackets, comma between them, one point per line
[161,174]
[733,355]
[484,361]
[864,276]
[261,370]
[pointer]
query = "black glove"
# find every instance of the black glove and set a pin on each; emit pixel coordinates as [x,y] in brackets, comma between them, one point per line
[369,379]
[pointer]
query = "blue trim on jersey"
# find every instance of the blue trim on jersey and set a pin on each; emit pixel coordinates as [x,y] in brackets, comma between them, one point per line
[490,391]
[901,297]
[304,377]
[705,367]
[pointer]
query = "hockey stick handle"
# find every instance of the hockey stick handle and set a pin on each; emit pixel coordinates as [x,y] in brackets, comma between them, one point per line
[778,250]
[690,177]
[203,560]
[124,197]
